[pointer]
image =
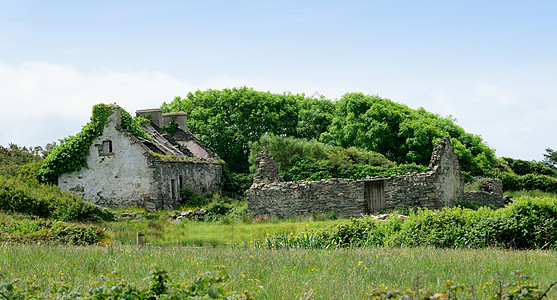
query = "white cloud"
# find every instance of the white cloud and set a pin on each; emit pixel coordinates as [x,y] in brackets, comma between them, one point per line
[42,102]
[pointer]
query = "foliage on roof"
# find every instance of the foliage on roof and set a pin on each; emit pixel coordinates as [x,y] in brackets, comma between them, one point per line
[71,155]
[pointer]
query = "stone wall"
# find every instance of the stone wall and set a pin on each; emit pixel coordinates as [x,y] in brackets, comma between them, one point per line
[128,176]
[115,179]
[266,171]
[171,177]
[345,197]
[412,190]
[441,186]
[490,194]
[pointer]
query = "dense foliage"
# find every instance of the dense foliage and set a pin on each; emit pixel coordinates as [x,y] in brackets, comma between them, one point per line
[524,167]
[530,223]
[228,120]
[300,159]
[16,228]
[14,156]
[513,182]
[402,134]
[71,155]
[43,200]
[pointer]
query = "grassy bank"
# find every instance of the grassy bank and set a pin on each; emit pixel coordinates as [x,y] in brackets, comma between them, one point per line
[342,274]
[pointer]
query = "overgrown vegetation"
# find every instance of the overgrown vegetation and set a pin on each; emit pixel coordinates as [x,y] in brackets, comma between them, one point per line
[528,223]
[229,120]
[47,201]
[300,159]
[16,228]
[293,274]
[32,212]
[71,155]
[211,285]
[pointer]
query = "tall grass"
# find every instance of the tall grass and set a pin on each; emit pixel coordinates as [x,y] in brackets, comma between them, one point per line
[328,274]
[163,232]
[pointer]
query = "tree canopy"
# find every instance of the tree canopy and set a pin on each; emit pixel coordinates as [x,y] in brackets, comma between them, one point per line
[228,120]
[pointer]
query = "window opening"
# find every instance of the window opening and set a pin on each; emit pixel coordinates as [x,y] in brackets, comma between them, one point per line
[107,147]
[173,188]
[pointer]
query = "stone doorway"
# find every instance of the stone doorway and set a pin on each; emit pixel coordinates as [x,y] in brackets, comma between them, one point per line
[375,195]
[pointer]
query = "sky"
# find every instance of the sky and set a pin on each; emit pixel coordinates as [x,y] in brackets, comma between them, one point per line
[492,65]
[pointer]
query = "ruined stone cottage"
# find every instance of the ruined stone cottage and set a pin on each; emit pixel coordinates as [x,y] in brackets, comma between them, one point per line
[125,170]
[440,186]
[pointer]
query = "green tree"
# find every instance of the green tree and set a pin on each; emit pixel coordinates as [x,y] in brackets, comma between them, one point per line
[550,158]
[402,134]
[228,120]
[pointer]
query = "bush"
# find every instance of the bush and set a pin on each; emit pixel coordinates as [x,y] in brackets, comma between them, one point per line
[24,230]
[190,198]
[235,184]
[527,223]
[48,201]
[357,232]
[219,206]
[514,182]
[523,167]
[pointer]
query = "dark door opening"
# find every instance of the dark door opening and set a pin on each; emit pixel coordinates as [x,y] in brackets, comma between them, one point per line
[375,195]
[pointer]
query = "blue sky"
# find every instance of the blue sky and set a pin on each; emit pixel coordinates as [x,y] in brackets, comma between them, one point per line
[490,64]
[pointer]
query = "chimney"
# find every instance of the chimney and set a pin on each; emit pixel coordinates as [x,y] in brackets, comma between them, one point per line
[180,118]
[154,114]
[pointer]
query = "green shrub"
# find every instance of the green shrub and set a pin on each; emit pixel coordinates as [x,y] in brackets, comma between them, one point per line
[190,198]
[527,223]
[513,182]
[218,208]
[357,232]
[24,230]
[235,184]
[523,167]
[45,200]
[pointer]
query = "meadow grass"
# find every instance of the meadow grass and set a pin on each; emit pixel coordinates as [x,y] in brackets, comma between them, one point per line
[287,274]
[162,232]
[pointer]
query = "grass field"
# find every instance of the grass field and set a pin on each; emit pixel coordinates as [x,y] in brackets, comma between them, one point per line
[327,274]
[191,248]
[162,232]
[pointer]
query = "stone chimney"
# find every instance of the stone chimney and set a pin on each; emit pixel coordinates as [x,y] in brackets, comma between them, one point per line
[266,170]
[155,114]
[180,118]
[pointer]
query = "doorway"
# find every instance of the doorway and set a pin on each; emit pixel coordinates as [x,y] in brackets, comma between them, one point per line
[375,195]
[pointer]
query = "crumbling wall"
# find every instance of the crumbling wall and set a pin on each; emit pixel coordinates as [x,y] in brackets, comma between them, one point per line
[173,176]
[490,194]
[266,171]
[344,197]
[417,189]
[440,187]
[117,178]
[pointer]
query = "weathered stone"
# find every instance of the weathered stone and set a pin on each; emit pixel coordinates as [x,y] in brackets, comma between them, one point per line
[440,186]
[123,170]
[266,170]
[490,194]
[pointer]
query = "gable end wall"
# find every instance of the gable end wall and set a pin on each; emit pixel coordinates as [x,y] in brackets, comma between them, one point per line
[116,180]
